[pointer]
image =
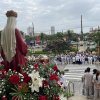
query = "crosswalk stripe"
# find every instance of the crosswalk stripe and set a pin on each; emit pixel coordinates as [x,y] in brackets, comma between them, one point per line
[75,72]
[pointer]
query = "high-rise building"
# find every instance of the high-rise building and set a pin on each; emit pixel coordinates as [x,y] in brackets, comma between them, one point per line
[52,30]
[30,31]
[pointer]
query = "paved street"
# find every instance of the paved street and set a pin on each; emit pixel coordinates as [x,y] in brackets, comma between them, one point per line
[74,75]
[75,72]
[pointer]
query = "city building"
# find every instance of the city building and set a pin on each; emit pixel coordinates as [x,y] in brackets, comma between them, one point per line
[30,31]
[94,30]
[52,30]
[82,46]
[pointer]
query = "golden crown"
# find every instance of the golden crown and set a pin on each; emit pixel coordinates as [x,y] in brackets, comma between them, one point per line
[11,13]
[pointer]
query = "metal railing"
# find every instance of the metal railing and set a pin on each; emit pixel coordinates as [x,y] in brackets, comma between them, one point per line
[70,89]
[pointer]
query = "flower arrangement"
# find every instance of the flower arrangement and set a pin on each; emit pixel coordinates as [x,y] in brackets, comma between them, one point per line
[37,81]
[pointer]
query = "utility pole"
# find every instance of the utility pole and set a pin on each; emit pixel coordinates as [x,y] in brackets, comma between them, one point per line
[81,28]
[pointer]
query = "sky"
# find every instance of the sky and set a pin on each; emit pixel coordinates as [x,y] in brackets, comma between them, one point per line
[63,14]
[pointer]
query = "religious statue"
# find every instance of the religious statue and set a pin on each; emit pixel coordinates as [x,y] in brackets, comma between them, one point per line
[13,46]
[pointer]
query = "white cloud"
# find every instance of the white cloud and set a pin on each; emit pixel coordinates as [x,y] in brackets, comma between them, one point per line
[7,1]
[63,14]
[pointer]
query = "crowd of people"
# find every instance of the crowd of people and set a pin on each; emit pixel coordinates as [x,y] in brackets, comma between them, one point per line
[77,58]
[91,84]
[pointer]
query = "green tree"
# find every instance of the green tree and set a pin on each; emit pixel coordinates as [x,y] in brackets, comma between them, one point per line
[97,38]
[59,35]
[29,39]
[57,46]
[42,37]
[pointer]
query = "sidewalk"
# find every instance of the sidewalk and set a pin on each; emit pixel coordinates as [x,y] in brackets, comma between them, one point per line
[74,71]
[78,97]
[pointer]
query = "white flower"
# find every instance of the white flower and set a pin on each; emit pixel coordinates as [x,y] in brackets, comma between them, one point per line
[36,81]
[31,66]
[62,97]
[20,74]
[29,58]
[34,74]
